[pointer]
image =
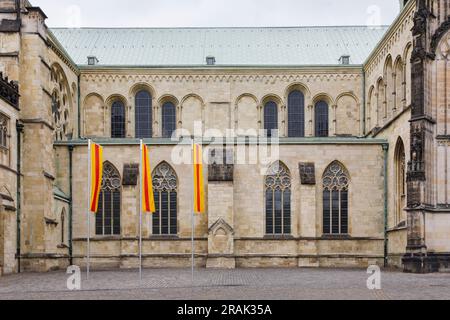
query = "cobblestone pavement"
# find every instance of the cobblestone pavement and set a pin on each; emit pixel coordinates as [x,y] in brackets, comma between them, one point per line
[240,284]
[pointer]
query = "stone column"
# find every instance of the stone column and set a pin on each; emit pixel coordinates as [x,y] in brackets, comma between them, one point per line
[311,120]
[334,108]
[221,210]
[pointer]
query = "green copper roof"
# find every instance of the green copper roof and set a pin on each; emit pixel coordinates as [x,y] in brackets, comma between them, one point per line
[189,47]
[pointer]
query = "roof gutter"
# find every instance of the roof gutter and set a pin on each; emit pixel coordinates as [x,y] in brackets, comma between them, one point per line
[221,67]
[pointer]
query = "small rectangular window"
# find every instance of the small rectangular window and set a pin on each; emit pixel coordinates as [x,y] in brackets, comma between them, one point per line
[345,60]
[4,121]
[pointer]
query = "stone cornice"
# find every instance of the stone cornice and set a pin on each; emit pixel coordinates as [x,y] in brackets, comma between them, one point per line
[38,121]
[187,142]
[225,75]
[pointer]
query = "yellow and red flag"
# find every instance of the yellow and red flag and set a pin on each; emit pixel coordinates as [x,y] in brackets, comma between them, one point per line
[148,199]
[96,160]
[199,187]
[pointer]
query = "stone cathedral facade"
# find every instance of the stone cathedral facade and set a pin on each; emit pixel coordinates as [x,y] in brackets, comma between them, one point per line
[361,116]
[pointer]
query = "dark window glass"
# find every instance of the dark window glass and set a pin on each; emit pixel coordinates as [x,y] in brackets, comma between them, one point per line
[278,200]
[296,114]
[164,212]
[344,211]
[107,219]
[117,120]
[278,212]
[173,212]
[143,115]
[335,200]
[169,120]
[269,212]
[321,123]
[166,201]
[99,216]
[157,215]
[116,213]
[326,212]
[287,212]
[270,118]
[335,212]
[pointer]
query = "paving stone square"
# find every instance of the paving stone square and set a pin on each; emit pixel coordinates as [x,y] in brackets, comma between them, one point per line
[239,284]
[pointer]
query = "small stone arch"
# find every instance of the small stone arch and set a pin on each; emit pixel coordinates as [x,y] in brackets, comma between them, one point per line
[195,96]
[371,106]
[246,95]
[323,97]
[300,87]
[142,86]
[399,82]
[272,97]
[406,52]
[116,97]
[168,98]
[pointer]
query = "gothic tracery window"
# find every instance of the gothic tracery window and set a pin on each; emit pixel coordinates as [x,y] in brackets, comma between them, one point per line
[60,104]
[143,113]
[278,200]
[165,188]
[107,219]
[296,114]
[335,200]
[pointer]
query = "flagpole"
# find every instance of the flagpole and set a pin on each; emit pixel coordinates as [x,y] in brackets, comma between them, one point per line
[193,209]
[141,174]
[88,254]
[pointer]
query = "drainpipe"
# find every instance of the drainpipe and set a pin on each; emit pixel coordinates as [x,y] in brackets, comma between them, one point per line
[71,205]
[79,107]
[386,240]
[364,102]
[19,128]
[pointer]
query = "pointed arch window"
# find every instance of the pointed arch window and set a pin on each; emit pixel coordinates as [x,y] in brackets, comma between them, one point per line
[278,200]
[322,119]
[169,119]
[296,114]
[336,200]
[400,181]
[144,117]
[107,219]
[165,188]
[117,120]
[271,118]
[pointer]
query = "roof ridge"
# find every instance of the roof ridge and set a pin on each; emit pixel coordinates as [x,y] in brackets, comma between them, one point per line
[228,28]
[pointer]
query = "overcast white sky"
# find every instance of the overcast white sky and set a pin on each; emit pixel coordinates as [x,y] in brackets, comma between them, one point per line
[200,13]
